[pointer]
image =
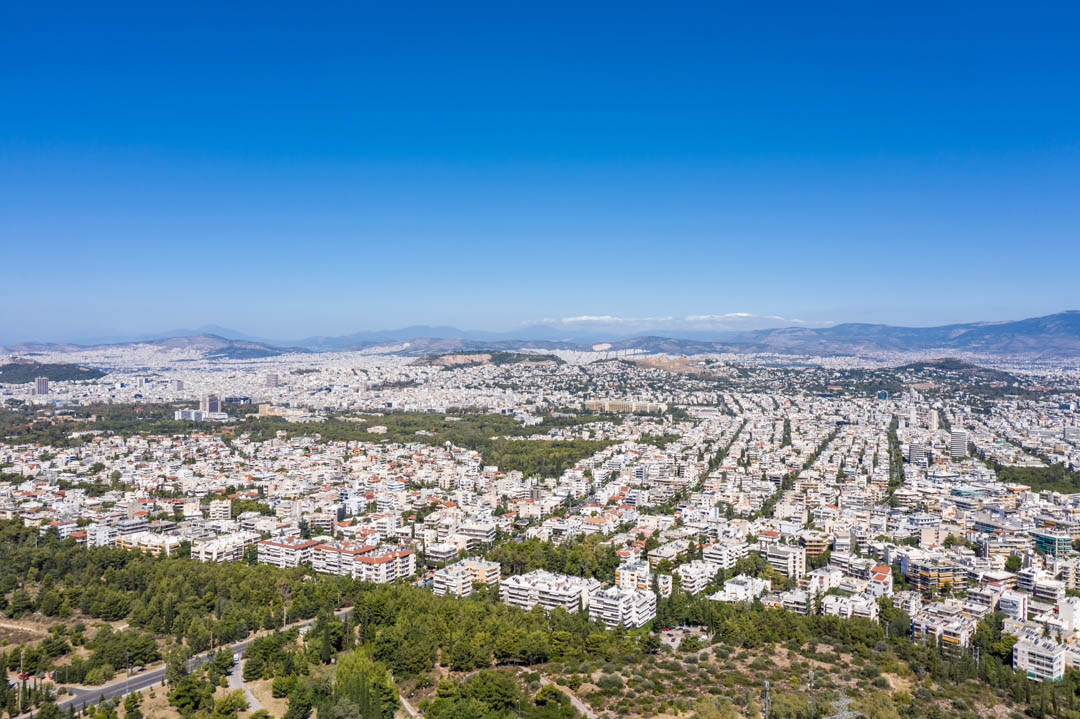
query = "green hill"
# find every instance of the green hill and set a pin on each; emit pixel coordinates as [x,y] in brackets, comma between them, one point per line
[23,372]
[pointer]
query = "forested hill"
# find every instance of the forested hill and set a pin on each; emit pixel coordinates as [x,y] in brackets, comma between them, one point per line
[23,372]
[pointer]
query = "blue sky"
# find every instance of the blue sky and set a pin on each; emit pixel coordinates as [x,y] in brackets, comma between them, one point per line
[289,171]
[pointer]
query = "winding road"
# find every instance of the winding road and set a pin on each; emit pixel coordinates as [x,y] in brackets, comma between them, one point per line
[80,695]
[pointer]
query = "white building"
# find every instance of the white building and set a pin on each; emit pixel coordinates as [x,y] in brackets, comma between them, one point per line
[696,575]
[633,575]
[458,578]
[226,548]
[789,561]
[547,589]
[385,564]
[1039,657]
[742,588]
[221,509]
[725,554]
[339,557]
[285,552]
[628,607]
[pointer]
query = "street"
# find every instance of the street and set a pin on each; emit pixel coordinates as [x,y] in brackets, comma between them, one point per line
[80,695]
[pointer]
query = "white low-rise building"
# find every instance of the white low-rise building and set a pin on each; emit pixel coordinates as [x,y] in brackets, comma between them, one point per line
[627,607]
[548,589]
[1040,658]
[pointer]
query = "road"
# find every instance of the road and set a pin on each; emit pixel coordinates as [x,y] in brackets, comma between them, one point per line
[153,677]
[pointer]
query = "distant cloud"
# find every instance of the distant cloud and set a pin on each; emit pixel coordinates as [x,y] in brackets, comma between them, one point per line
[739,316]
[610,319]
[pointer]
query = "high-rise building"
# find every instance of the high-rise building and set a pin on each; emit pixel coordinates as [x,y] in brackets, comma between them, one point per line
[917,453]
[934,420]
[272,380]
[176,385]
[958,442]
[41,385]
[210,403]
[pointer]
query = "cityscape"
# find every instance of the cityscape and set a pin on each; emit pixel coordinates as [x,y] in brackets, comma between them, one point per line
[539,363]
[654,494]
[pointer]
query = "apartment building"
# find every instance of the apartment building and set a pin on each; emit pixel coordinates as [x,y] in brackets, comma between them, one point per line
[617,606]
[226,548]
[1053,543]
[100,535]
[695,575]
[1014,604]
[339,557]
[149,543]
[742,588]
[1040,658]
[933,573]
[814,542]
[725,554]
[458,578]
[859,605]
[479,532]
[945,622]
[633,575]
[1051,591]
[221,509]
[454,580]
[789,561]
[482,571]
[385,564]
[547,589]
[285,552]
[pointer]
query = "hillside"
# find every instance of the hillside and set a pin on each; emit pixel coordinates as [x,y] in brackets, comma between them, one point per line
[23,372]
[459,359]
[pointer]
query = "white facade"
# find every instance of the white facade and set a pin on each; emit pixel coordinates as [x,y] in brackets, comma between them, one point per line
[628,607]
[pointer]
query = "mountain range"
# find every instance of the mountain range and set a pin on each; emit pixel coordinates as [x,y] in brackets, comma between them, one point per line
[1055,336]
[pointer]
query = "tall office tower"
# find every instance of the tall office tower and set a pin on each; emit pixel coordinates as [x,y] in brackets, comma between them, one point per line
[933,420]
[176,385]
[272,380]
[210,403]
[913,416]
[917,453]
[958,442]
[41,385]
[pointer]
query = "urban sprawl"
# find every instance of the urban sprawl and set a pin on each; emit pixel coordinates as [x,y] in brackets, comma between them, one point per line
[749,479]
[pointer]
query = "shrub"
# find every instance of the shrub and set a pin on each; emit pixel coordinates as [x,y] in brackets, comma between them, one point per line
[282,686]
[611,682]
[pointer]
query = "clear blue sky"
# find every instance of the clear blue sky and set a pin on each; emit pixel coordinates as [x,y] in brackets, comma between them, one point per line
[286,170]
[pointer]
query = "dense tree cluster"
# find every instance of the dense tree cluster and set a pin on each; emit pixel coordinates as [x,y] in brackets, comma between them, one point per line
[587,557]
[392,633]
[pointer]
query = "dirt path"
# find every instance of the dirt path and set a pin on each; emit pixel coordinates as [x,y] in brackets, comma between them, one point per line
[236,681]
[409,708]
[578,704]
[22,628]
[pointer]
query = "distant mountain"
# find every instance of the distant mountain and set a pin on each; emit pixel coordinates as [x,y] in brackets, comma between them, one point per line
[1054,336]
[215,346]
[209,344]
[360,340]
